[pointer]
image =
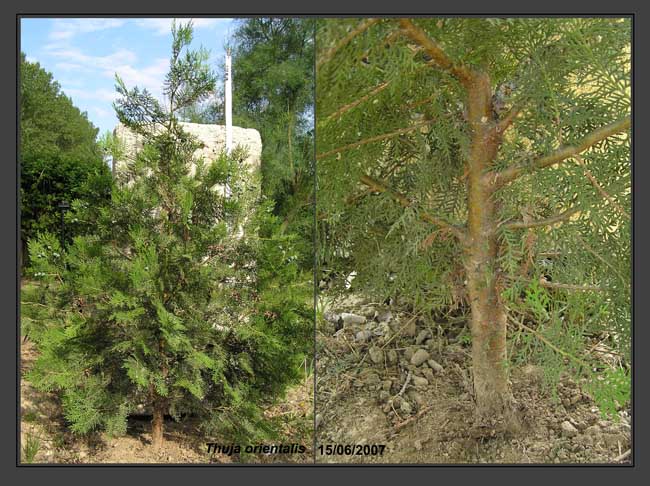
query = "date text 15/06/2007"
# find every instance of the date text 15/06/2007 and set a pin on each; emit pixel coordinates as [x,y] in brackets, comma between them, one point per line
[351,449]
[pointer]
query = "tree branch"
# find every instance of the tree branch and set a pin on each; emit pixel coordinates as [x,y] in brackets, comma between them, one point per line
[626,282]
[357,102]
[362,27]
[376,138]
[541,222]
[582,288]
[511,173]
[438,56]
[599,188]
[548,343]
[379,186]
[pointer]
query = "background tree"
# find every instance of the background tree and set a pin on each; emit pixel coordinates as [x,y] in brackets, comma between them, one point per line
[59,156]
[163,305]
[482,164]
[273,76]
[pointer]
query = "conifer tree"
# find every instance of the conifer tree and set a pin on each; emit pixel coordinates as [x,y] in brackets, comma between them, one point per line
[163,306]
[59,156]
[459,158]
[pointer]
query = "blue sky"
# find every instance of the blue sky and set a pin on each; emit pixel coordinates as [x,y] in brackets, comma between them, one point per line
[84,54]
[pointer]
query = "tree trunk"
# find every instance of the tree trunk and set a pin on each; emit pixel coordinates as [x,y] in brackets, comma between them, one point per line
[157,423]
[488,321]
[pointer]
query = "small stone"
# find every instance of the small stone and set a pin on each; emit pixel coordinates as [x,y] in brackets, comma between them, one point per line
[428,374]
[384,316]
[392,355]
[331,317]
[410,329]
[384,396]
[409,352]
[422,336]
[419,357]
[416,397]
[581,425]
[418,445]
[568,429]
[406,407]
[372,379]
[363,336]
[376,354]
[318,420]
[352,318]
[420,382]
[435,366]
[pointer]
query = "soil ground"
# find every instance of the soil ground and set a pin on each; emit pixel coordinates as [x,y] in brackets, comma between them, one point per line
[43,426]
[362,399]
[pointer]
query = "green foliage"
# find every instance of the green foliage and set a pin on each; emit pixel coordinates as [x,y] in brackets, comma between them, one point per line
[570,76]
[274,93]
[59,158]
[611,391]
[164,303]
[273,72]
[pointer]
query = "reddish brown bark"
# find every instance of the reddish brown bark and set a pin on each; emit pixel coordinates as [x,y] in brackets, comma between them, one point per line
[480,241]
[488,316]
[157,424]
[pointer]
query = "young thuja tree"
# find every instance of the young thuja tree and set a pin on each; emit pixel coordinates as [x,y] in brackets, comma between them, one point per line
[163,307]
[482,163]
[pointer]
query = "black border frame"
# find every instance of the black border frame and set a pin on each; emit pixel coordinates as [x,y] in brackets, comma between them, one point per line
[333,8]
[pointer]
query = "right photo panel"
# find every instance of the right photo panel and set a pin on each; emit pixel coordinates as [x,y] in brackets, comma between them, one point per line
[473,240]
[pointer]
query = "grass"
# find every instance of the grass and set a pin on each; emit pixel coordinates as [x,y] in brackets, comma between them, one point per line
[30,416]
[30,448]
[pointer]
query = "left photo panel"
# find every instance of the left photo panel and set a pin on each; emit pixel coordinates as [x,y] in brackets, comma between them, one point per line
[166,240]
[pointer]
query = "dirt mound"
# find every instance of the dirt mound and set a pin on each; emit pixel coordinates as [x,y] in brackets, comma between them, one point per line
[387,377]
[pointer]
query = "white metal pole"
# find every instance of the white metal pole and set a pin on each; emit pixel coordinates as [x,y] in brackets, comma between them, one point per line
[228,96]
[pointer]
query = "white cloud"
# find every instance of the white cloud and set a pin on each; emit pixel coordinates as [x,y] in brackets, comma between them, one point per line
[122,61]
[150,77]
[65,29]
[73,56]
[102,113]
[71,66]
[163,26]
[101,94]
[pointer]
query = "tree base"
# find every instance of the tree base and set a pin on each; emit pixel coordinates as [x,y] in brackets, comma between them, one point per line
[500,418]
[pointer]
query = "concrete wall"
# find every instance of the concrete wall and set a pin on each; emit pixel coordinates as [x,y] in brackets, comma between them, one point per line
[213,138]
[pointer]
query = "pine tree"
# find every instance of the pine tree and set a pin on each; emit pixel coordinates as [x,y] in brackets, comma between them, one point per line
[461,156]
[163,306]
[273,74]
